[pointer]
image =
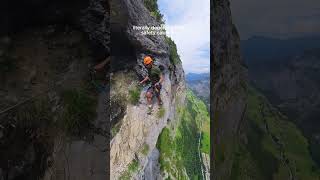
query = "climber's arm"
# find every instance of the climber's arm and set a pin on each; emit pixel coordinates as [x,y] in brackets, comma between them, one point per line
[161,78]
[144,80]
[102,64]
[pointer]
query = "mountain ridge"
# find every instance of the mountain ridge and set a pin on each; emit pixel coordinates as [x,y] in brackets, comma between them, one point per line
[261,48]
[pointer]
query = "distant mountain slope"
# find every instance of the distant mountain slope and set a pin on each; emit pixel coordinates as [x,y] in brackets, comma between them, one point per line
[293,86]
[196,77]
[200,85]
[263,48]
[272,147]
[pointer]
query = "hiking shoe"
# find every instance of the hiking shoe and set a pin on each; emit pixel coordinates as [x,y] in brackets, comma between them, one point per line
[160,103]
[149,109]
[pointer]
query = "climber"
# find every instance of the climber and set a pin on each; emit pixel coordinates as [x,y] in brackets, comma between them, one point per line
[98,74]
[156,78]
[102,64]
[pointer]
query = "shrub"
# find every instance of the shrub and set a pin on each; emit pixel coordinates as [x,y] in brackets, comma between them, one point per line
[132,168]
[115,129]
[134,95]
[165,146]
[79,111]
[125,176]
[161,112]
[152,6]
[174,56]
[145,149]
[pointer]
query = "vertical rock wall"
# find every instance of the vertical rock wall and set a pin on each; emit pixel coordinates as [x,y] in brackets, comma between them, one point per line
[229,83]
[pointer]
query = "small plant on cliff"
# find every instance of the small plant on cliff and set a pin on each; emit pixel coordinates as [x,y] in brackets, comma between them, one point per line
[174,56]
[79,111]
[145,149]
[115,129]
[132,168]
[161,112]
[152,6]
[134,94]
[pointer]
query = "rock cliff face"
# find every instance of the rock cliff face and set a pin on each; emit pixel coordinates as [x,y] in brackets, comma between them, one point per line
[229,82]
[46,47]
[133,152]
[88,159]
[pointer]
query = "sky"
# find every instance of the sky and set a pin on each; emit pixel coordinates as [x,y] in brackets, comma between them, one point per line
[276,18]
[188,24]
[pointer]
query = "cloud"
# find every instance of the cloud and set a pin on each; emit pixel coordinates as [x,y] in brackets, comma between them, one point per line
[276,18]
[188,24]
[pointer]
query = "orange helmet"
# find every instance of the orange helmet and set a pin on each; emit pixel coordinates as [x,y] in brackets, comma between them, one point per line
[147,60]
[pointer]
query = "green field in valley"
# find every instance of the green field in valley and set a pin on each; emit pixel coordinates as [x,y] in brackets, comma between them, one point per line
[273,147]
[179,156]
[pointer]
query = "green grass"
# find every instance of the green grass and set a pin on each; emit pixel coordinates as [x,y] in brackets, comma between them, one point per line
[161,112]
[201,114]
[125,176]
[244,165]
[134,95]
[266,161]
[187,147]
[145,149]
[115,129]
[169,160]
[179,148]
[260,157]
[205,139]
[164,144]
[132,168]
[79,111]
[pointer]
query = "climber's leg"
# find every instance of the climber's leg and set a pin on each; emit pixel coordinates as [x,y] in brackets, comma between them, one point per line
[149,95]
[159,101]
[158,93]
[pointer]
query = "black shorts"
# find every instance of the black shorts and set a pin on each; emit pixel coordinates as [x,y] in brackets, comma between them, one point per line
[155,90]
